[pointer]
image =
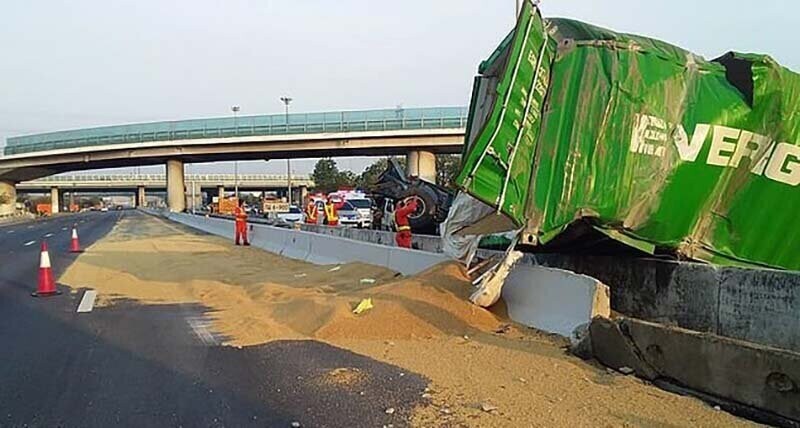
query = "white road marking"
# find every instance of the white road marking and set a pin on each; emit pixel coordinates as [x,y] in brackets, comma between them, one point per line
[30,227]
[29,243]
[63,228]
[10,231]
[200,327]
[87,302]
[48,235]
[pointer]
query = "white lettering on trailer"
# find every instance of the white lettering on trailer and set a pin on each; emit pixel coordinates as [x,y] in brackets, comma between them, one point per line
[776,161]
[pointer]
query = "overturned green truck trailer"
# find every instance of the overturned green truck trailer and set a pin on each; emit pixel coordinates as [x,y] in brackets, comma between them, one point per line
[644,142]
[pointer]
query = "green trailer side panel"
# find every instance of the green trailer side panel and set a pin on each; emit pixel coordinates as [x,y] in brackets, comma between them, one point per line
[654,145]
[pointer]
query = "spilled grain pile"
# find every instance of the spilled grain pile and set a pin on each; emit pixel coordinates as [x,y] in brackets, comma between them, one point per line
[425,324]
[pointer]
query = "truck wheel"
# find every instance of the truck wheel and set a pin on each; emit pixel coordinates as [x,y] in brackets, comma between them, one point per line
[423,220]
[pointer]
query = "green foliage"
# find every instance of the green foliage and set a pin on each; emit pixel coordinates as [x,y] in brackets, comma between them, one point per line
[328,178]
[447,168]
[346,179]
[325,175]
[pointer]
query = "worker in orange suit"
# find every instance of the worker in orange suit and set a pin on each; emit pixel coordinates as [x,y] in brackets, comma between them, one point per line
[331,213]
[241,224]
[401,213]
[311,212]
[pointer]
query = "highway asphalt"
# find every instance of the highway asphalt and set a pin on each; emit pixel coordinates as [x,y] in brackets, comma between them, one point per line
[138,365]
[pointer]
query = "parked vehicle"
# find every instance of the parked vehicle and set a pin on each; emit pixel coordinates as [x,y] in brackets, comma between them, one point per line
[294,214]
[349,215]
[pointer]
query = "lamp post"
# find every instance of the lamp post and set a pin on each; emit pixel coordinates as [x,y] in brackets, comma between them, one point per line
[286,101]
[235,110]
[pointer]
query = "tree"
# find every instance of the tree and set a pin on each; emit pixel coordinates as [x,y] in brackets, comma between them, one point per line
[326,175]
[346,179]
[447,168]
[328,178]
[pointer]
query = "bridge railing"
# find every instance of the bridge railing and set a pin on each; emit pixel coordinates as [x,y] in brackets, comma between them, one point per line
[206,178]
[245,126]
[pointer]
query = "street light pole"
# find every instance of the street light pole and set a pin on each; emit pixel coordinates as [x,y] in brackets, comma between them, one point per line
[235,110]
[286,101]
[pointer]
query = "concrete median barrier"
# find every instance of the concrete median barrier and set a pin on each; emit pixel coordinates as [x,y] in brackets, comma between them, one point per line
[330,249]
[318,248]
[759,376]
[554,300]
[296,245]
[405,260]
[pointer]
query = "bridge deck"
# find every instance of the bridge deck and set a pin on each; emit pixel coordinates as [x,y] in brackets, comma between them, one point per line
[244,126]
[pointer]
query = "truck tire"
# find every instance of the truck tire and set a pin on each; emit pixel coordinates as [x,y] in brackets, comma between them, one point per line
[424,219]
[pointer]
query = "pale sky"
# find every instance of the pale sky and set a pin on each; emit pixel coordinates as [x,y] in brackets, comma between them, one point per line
[82,63]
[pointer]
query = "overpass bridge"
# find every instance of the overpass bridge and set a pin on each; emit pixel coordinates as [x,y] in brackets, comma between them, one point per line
[418,133]
[140,183]
[100,182]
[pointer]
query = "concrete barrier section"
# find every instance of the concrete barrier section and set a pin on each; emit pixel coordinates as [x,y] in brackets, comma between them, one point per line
[743,372]
[318,248]
[554,300]
[405,260]
[331,249]
[296,245]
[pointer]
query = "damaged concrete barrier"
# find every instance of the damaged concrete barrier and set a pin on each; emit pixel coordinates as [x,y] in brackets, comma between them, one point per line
[754,375]
[554,300]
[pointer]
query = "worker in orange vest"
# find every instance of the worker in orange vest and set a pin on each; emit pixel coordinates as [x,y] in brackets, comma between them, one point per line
[401,213]
[241,224]
[311,212]
[331,213]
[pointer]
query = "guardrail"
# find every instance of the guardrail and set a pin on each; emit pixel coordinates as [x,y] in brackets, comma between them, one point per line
[245,126]
[162,177]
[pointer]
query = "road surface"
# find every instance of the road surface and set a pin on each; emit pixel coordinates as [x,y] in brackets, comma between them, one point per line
[157,365]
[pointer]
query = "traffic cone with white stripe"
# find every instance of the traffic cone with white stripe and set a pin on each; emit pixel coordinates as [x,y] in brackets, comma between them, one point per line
[47,284]
[74,246]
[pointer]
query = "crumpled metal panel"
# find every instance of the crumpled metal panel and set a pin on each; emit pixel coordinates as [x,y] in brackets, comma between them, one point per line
[660,149]
[497,169]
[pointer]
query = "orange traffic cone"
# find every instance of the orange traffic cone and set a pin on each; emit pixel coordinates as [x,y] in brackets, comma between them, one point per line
[47,284]
[74,246]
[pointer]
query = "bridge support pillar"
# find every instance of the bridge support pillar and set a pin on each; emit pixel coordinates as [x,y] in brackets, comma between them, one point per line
[303,196]
[55,200]
[421,164]
[8,198]
[141,196]
[220,193]
[176,191]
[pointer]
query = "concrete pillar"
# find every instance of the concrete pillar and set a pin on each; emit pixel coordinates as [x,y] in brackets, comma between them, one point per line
[303,197]
[8,198]
[220,193]
[141,196]
[176,191]
[194,197]
[421,164]
[55,200]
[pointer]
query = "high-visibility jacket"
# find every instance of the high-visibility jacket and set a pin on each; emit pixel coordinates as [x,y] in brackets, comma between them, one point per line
[311,213]
[240,215]
[401,215]
[330,213]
